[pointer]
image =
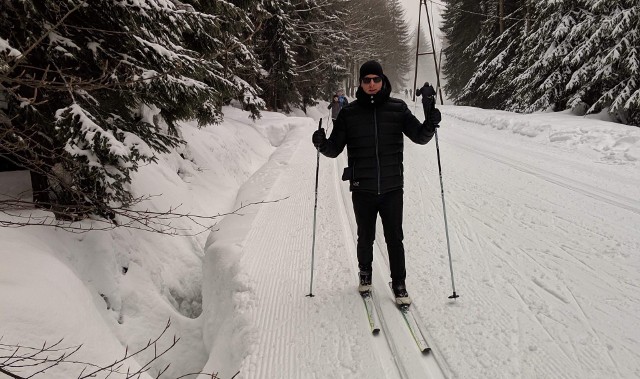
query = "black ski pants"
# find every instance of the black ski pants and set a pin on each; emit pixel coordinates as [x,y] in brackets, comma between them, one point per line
[366,207]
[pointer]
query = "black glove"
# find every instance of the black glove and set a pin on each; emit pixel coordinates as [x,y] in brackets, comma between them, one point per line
[432,114]
[435,117]
[319,138]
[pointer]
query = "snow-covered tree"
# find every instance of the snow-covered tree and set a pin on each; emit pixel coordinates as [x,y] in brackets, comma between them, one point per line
[276,45]
[380,34]
[396,52]
[240,21]
[542,69]
[92,89]
[322,51]
[494,50]
[552,54]
[608,61]
[365,32]
[461,26]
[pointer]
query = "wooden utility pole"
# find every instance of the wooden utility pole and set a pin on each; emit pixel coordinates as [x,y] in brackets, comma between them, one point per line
[433,52]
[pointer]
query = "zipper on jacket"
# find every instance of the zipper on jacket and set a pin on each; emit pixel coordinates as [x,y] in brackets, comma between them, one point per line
[375,125]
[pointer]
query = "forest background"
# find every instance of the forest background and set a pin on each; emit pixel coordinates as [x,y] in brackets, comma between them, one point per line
[89,91]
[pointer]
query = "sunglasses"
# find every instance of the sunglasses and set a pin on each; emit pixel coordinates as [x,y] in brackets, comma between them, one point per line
[377,79]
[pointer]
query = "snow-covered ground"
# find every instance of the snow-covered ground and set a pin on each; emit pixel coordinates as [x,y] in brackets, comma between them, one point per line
[543,213]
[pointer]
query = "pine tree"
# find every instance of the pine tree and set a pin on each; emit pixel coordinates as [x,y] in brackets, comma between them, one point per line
[609,61]
[494,51]
[461,26]
[543,70]
[321,55]
[395,52]
[239,21]
[337,47]
[568,54]
[276,50]
[381,34]
[96,88]
[366,31]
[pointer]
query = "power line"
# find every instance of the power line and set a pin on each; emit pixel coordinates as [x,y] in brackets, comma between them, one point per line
[478,13]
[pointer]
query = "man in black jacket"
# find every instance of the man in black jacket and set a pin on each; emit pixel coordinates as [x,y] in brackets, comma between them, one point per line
[372,129]
[428,95]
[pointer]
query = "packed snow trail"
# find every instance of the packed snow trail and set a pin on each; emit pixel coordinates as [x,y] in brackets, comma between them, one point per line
[544,240]
[266,271]
[543,212]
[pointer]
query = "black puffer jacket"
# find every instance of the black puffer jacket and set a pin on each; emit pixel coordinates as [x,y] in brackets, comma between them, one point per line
[372,129]
[427,92]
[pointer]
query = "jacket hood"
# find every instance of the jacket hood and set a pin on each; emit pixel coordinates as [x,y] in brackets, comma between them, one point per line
[375,100]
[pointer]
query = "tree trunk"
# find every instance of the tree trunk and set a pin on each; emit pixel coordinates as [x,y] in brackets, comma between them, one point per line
[40,188]
[501,15]
[527,23]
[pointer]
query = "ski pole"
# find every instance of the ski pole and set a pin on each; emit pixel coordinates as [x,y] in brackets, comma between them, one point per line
[328,124]
[315,211]
[444,211]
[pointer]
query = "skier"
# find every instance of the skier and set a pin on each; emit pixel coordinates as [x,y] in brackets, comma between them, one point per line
[342,99]
[337,103]
[372,129]
[406,93]
[335,107]
[428,95]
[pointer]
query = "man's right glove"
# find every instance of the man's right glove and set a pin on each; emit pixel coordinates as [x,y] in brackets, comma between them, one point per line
[319,138]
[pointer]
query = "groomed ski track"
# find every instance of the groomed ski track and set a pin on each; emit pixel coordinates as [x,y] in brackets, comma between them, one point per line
[544,242]
[285,333]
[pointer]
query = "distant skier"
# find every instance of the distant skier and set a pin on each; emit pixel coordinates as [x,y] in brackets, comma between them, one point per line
[337,103]
[342,98]
[406,93]
[372,129]
[334,105]
[428,96]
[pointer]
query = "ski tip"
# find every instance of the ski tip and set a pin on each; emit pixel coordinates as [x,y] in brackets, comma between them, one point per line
[375,331]
[426,351]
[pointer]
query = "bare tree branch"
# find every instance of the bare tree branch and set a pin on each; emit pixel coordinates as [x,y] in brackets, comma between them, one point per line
[20,358]
[151,221]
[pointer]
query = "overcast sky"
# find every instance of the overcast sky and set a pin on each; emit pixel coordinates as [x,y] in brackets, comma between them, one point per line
[411,7]
[425,72]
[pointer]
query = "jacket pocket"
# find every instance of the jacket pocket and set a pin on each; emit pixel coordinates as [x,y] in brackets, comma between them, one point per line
[347,174]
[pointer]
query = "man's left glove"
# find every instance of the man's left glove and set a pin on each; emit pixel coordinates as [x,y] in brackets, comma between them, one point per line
[319,138]
[435,117]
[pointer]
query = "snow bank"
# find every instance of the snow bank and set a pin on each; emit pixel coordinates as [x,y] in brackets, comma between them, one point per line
[108,290]
[228,336]
[615,143]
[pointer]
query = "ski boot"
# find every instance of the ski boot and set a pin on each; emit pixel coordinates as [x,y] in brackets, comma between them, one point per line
[365,282]
[400,292]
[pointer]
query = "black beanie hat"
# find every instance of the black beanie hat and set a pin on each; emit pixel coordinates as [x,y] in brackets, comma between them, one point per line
[370,68]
